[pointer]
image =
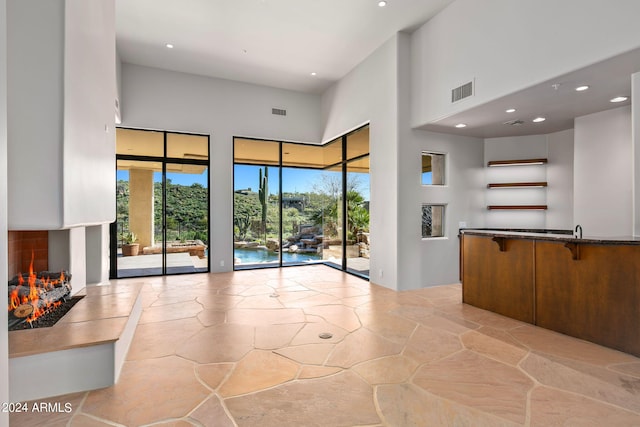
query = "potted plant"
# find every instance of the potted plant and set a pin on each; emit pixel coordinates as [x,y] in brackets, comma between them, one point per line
[130,247]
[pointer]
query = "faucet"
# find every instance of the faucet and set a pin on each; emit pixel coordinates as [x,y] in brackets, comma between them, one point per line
[578,230]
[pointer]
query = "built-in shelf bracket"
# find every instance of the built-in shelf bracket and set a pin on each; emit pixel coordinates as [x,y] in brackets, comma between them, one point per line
[517,207]
[518,185]
[574,248]
[501,241]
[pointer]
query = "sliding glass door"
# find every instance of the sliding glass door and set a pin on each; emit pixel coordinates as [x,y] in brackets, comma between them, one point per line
[162,196]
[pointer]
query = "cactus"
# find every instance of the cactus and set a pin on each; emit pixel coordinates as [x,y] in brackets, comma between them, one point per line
[263,195]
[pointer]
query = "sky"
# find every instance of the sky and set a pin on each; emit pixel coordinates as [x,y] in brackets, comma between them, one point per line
[293,179]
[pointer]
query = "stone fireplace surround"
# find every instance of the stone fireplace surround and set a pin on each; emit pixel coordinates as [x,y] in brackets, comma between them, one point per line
[85,350]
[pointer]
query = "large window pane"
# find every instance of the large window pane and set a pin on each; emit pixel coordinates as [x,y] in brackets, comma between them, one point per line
[186,146]
[332,152]
[358,143]
[137,232]
[187,218]
[358,196]
[256,216]
[256,152]
[132,142]
[302,208]
[303,155]
[331,209]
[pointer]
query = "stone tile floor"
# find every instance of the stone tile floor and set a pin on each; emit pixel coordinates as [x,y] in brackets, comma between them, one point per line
[242,349]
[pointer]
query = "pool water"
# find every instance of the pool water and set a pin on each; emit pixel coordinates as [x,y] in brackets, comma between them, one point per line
[257,256]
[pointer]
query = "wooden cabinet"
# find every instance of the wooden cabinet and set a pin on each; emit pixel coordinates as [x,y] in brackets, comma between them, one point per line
[595,297]
[586,290]
[498,276]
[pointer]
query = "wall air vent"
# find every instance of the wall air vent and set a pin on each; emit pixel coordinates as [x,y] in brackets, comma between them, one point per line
[514,123]
[462,92]
[278,112]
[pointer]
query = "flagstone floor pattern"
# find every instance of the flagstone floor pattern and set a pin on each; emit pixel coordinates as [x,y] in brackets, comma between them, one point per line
[242,349]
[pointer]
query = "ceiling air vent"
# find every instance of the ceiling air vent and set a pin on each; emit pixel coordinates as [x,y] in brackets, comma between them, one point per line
[514,122]
[462,92]
[278,111]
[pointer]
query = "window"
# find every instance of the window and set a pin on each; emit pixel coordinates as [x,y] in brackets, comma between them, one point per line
[433,172]
[317,210]
[432,221]
[162,203]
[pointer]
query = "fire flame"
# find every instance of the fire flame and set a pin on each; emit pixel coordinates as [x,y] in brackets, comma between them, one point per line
[40,305]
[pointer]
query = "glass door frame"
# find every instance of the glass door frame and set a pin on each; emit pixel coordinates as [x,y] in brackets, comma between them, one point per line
[113,233]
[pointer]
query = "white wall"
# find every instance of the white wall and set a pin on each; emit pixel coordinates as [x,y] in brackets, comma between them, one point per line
[89,121]
[508,45]
[433,261]
[369,94]
[4,334]
[603,177]
[35,112]
[61,74]
[463,195]
[166,100]
[560,177]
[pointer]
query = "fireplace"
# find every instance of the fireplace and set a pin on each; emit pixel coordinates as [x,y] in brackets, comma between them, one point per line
[93,337]
[36,297]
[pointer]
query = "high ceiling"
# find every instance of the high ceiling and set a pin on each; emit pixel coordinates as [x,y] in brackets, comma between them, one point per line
[275,43]
[280,43]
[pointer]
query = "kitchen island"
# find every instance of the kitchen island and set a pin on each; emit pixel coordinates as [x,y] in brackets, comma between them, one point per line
[588,287]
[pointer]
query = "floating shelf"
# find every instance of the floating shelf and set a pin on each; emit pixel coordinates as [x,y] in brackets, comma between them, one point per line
[517,207]
[522,162]
[518,184]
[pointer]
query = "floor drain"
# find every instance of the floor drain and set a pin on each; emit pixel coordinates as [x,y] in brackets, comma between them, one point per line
[326,335]
[274,295]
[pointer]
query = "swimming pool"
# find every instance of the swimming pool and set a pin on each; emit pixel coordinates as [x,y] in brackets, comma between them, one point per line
[259,256]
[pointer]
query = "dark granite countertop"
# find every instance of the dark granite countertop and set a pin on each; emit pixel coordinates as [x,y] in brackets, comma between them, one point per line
[552,235]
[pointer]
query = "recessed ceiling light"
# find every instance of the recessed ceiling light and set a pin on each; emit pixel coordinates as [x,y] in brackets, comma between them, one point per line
[619,99]
[510,110]
[382,3]
[169,46]
[539,119]
[461,125]
[582,88]
[314,74]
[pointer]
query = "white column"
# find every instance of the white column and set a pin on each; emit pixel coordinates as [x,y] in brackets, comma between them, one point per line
[141,205]
[97,254]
